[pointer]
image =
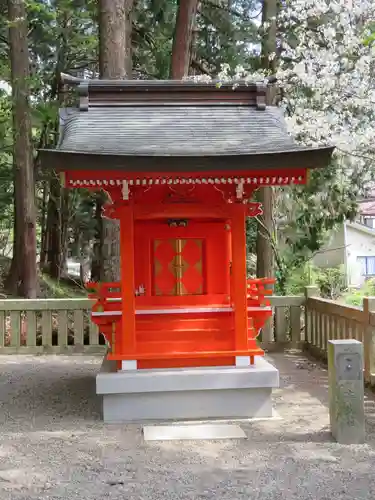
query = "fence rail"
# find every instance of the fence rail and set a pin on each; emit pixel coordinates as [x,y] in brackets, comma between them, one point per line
[327,320]
[64,326]
[287,325]
[48,326]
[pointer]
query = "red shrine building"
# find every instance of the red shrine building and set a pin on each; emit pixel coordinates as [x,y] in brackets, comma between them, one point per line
[180,162]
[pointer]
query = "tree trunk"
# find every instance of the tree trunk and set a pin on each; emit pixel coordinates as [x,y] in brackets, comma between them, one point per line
[265,263]
[23,274]
[58,200]
[97,270]
[114,39]
[115,62]
[269,45]
[43,226]
[54,229]
[182,38]
[65,218]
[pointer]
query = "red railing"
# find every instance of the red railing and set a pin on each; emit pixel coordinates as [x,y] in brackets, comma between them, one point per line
[257,292]
[110,325]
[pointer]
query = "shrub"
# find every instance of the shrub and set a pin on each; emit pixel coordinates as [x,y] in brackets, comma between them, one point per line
[299,279]
[331,282]
[355,297]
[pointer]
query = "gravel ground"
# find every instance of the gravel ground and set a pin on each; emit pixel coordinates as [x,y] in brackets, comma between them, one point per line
[54,446]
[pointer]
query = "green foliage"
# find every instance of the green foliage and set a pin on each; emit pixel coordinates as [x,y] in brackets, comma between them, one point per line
[331,282]
[6,184]
[153,27]
[62,289]
[227,35]
[317,208]
[298,280]
[369,37]
[355,297]
[251,234]
[63,37]
[308,214]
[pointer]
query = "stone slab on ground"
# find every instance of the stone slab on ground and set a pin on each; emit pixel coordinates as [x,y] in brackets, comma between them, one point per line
[53,445]
[192,432]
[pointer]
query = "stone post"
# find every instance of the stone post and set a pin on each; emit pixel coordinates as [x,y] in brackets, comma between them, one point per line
[310,291]
[346,391]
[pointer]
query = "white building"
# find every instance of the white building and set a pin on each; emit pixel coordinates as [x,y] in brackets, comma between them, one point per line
[352,246]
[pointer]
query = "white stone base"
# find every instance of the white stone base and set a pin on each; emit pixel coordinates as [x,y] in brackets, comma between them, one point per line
[187,393]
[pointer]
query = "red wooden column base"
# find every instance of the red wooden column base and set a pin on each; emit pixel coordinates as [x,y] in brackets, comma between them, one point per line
[243,327]
[126,334]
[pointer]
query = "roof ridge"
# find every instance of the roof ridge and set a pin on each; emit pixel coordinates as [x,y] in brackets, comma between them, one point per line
[93,92]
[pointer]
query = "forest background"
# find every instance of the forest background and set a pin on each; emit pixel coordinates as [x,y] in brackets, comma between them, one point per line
[321,54]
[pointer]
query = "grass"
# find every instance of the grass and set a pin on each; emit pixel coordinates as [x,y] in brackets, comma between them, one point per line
[355,297]
[48,287]
[63,289]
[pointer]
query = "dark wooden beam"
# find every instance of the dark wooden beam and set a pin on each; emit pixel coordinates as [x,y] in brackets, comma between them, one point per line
[213,165]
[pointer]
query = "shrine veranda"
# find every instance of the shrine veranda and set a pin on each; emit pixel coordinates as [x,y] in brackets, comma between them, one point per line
[180,162]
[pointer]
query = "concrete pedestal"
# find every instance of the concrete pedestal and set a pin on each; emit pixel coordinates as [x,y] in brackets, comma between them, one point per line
[187,393]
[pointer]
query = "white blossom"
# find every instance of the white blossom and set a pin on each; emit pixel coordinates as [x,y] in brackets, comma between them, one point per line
[327,74]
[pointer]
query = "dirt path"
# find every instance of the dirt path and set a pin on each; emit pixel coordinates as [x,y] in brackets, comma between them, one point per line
[54,446]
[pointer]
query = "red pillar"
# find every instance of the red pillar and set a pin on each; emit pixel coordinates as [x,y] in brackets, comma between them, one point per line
[239,276]
[127,342]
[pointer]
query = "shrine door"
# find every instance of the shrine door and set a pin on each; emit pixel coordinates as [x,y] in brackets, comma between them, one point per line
[178,266]
[182,262]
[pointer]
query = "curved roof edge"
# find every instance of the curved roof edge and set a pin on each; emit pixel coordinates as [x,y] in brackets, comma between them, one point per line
[311,158]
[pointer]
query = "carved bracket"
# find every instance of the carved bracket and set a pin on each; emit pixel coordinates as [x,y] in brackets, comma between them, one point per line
[125,190]
[254,209]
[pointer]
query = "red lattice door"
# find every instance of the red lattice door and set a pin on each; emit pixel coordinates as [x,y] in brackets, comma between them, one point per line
[178,266]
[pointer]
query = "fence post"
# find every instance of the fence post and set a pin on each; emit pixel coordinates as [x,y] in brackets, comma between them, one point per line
[369,338]
[295,325]
[280,325]
[310,291]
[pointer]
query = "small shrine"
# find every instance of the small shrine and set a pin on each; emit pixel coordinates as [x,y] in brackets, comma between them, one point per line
[180,162]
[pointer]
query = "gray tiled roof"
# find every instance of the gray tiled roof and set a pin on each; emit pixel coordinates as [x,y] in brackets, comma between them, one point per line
[177,130]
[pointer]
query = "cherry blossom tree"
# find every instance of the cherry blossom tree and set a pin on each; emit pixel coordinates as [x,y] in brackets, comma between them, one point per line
[325,67]
[328,74]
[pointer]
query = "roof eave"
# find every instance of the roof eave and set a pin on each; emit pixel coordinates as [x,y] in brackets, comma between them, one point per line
[60,160]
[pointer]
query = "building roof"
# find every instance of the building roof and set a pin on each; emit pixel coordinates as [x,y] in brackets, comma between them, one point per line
[148,125]
[367,207]
[361,227]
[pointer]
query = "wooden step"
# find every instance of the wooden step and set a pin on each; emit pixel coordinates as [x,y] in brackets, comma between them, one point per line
[158,323]
[175,362]
[255,351]
[194,347]
[212,334]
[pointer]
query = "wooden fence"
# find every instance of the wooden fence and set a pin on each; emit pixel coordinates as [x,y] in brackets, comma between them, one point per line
[326,320]
[63,326]
[48,326]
